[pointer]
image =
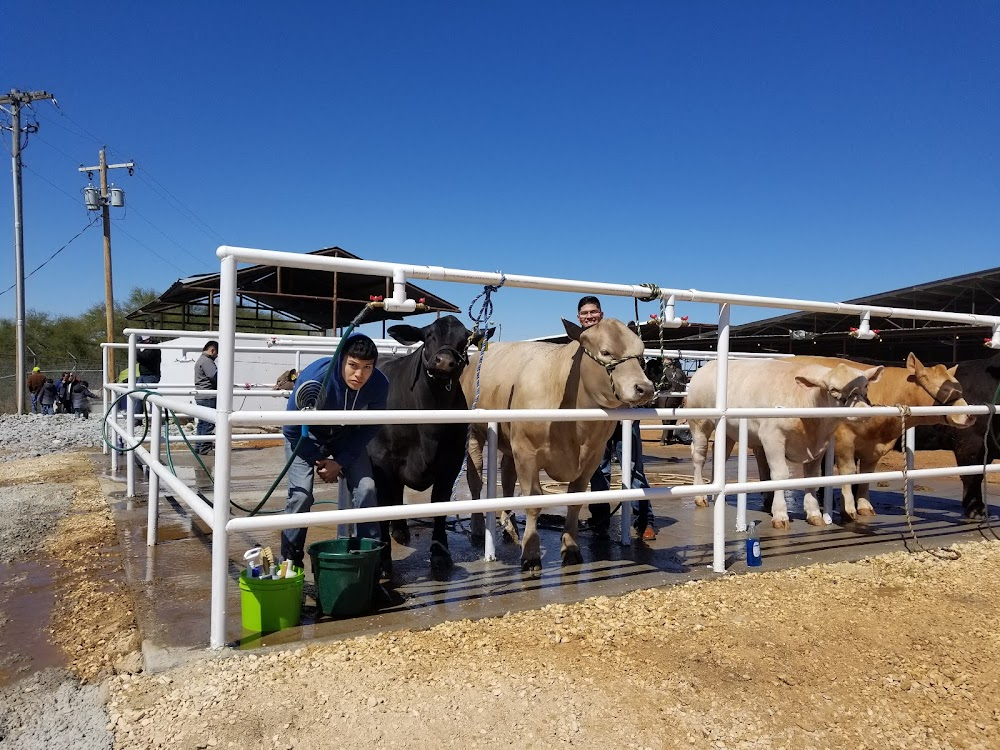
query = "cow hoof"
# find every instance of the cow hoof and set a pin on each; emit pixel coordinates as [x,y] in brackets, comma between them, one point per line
[816,520]
[531,565]
[572,556]
[779,523]
[869,511]
[477,528]
[401,535]
[510,534]
[440,557]
[701,501]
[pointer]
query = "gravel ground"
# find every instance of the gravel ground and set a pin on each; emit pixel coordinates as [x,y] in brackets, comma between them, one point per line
[30,513]
[30,435]
[50,711]
[896,651]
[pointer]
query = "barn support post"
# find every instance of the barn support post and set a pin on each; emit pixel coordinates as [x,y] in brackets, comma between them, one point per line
[719,456]
[627,481]
[223,448]
[911,437]
[741,476]
[153,502]
[828,461]
[130,420]
[490,552]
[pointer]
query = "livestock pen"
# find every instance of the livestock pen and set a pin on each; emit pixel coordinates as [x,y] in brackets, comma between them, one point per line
[222,524]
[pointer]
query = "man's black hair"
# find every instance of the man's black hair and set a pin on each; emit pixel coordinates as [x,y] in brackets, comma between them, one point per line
[361,347]
[210,344]
[588,300]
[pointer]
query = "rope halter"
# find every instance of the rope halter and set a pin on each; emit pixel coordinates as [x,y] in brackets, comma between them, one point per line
[610,366]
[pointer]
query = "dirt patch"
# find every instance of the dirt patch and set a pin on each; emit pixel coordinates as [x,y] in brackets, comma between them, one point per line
[92,621]
[894,651]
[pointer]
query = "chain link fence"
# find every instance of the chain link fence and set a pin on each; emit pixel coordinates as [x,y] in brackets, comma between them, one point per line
[85,370]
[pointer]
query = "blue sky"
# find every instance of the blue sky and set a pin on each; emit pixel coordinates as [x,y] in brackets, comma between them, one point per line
[809,150]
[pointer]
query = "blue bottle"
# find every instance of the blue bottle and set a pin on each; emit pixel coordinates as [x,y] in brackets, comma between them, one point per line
[753,546]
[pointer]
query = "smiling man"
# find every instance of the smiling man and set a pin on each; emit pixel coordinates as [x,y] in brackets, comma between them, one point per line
[334,451]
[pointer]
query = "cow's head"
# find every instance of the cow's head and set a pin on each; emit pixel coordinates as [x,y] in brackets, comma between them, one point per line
[844,385]
[941,386]
[618,351]
[445,345]
[666,374]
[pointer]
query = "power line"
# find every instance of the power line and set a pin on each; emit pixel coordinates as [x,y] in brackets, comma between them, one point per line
[147,247]
[172,200]
[171,239]
[42,264]
[43,178]
[181,208]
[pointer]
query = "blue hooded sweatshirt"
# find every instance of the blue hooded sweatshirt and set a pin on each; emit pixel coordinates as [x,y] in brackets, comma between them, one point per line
[344,443]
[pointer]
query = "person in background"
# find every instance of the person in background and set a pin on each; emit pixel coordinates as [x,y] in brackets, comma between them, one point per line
[81,399]
[206,378]
[589,313]
[65,391]
[35,382]
[148,362]
[332,451]
[47,397]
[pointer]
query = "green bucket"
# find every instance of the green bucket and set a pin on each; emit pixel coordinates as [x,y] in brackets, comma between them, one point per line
[345,570]
[271,604]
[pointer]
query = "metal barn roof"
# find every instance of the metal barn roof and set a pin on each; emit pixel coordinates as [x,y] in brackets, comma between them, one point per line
[282,299]
[828,334]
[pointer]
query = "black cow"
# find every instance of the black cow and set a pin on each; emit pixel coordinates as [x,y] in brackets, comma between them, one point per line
[979,379]
[419,456]
[668,377]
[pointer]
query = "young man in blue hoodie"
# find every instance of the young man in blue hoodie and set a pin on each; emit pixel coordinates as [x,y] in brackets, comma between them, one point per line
[332,451]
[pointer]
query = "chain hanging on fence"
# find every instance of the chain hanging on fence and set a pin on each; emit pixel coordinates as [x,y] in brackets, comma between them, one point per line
[940,552]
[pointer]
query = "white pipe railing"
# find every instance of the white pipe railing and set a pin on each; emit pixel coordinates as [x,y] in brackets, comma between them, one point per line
[225,418]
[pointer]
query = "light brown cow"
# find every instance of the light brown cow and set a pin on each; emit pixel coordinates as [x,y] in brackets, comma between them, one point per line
[863,442]
[601,367]
[776,442]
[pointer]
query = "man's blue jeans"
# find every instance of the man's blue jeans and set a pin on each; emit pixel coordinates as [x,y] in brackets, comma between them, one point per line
[204,426]
[301,475]
[601,481]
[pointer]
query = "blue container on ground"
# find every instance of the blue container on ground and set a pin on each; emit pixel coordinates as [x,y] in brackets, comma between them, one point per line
[753,547]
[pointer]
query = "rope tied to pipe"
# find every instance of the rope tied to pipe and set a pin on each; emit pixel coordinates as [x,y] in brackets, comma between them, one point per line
[940,552]
[654,292]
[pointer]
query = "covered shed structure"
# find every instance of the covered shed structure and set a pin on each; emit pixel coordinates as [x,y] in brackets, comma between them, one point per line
[829,334]
[280,300]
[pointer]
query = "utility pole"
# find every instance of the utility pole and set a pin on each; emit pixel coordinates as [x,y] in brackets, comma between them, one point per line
[17,99]
[109,295]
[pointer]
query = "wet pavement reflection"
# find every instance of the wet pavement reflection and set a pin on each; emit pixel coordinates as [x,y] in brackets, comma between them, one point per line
[171,581]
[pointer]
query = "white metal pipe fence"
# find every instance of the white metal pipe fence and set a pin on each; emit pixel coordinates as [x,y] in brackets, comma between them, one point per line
[226,418]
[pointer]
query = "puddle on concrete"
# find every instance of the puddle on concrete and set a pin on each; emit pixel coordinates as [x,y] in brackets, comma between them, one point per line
[26,601]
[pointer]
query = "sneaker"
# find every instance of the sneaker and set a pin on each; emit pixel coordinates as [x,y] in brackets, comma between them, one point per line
[649,534]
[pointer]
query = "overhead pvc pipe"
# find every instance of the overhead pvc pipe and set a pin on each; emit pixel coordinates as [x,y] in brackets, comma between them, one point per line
[223,451]
[438,273]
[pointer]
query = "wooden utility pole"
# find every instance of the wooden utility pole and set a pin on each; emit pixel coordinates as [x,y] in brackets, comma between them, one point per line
[109,294]
[16,99]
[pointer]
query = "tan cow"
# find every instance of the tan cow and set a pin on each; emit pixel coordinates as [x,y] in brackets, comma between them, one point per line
[776,442]
[601,367]
[863,442]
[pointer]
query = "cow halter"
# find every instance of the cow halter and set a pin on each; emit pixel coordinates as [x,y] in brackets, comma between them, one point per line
[462,360]
[610,366]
